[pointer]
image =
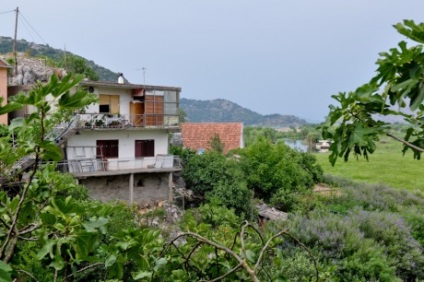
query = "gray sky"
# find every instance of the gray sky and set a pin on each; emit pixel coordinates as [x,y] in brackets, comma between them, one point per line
[270,56]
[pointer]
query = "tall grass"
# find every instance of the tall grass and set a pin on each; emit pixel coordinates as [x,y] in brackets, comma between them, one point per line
[386,166]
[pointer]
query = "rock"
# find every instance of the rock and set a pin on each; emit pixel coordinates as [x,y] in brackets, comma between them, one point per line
[31,70]
[29,76]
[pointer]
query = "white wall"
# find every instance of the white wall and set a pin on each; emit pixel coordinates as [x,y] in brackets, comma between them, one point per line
[87,139]
[124,99]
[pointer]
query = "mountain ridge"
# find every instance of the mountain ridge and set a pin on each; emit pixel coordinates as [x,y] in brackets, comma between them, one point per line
[222,110]
[216,110]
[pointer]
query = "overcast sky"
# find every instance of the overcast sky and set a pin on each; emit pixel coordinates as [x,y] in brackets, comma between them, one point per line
[270,56]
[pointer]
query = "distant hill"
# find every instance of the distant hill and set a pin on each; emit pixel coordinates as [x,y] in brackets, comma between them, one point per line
[221,110]
[218,110]
[40,50]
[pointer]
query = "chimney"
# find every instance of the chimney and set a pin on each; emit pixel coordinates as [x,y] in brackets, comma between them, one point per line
[121,78]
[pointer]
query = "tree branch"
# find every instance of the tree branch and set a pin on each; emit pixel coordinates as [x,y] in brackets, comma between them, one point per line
[225,274]
[241,261]
[410,145]
[83,269]
[27,273]
[28,229]
[10,248]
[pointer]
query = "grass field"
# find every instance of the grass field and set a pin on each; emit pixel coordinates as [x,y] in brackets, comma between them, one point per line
[386,166]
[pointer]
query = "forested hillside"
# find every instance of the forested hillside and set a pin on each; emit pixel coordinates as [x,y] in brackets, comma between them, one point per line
[221,110]
[41,50]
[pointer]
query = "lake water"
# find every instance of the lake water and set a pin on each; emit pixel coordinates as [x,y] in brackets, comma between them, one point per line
[296,144]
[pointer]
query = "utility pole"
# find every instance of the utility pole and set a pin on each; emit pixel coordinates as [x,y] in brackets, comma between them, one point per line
[14,41]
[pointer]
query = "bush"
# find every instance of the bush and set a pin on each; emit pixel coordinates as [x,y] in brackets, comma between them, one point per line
[270,168]
[365,245]
[215,176]
[216,215]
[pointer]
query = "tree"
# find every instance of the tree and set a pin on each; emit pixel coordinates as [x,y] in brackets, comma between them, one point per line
[214,176]
[78,65]
[397,89]
[270,168]
[182,115]
[216,144]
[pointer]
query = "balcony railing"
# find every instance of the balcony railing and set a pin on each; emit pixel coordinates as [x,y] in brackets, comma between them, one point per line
[91,120]
[96,166]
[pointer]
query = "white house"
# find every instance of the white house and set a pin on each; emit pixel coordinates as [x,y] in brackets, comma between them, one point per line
[123,141]
[118,148]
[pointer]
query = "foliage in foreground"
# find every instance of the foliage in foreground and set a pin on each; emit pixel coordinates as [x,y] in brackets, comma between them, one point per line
[397,89]
[49,230]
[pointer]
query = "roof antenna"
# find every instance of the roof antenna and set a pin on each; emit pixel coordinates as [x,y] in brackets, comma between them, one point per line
[144,74]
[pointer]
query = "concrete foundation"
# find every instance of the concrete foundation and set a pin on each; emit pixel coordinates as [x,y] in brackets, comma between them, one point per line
[145,187]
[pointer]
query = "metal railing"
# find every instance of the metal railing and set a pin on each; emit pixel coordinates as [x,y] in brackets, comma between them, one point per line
[58,135]
[92,165]
[93,120]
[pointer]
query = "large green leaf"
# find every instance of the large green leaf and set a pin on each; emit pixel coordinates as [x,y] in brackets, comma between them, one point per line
[5,272]
[94,224]
[50,152]
[10,107]
[411,30]
[46,249]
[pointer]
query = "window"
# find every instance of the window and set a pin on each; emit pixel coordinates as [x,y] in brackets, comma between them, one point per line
[144,148]
[109,104]
[107,149]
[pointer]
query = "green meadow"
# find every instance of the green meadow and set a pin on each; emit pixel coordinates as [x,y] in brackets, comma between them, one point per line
[387,165]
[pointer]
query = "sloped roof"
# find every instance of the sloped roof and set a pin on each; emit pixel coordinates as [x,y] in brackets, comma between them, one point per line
[127,85]
[198,135]
[3,64]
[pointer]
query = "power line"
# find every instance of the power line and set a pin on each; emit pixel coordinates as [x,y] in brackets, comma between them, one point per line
[2,13]
[21,15]
[27,29]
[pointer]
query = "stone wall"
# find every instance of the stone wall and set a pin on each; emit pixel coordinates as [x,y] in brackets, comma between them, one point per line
[147,187]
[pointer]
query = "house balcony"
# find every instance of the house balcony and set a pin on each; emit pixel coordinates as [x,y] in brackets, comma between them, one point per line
[99,121]
[95,167]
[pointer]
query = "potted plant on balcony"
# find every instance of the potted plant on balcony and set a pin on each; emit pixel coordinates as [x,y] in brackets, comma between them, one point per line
[99,122]
[115,123]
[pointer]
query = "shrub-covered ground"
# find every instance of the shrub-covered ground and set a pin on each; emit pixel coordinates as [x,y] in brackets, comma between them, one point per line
[363,233]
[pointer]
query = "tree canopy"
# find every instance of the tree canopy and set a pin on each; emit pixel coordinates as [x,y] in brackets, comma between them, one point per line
[397,89]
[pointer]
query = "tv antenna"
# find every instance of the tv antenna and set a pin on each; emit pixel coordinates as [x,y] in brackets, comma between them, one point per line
[144,74]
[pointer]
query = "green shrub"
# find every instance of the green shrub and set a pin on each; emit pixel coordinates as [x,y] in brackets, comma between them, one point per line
[391,231]
[365,245]
[218,215]
[367,263]
[414,217]
[213,175]
[271,168]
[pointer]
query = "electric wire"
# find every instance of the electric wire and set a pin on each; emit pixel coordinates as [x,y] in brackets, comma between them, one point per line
[6,12]
[21,15]
[27,29]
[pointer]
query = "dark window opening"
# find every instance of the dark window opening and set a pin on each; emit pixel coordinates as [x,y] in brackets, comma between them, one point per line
[104,109]
[144,148]
[107,149]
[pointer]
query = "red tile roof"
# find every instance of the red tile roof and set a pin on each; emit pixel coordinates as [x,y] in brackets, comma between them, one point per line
[198,135]
[3,64]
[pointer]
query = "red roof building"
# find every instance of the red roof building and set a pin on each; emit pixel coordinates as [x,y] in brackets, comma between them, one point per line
[197,136]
